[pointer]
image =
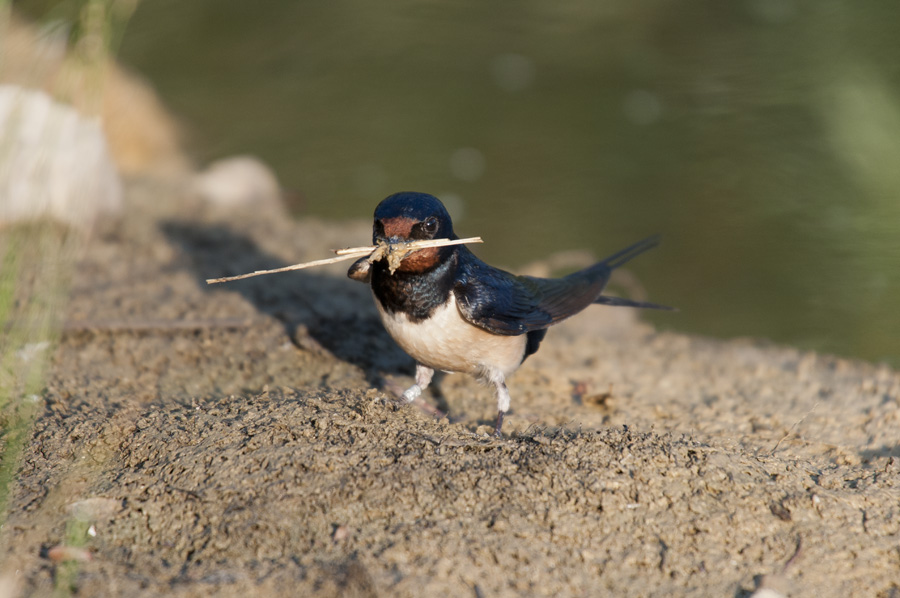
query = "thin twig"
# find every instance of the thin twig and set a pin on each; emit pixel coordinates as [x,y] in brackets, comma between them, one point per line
[795,556]
[791,429]
[332,260]
[412,245]
[375,252]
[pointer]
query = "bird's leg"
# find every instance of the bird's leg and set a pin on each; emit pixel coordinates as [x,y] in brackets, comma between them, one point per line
[423,379]
[499,425]
[502,404]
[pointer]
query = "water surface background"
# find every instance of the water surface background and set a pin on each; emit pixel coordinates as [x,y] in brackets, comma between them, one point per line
[761,138]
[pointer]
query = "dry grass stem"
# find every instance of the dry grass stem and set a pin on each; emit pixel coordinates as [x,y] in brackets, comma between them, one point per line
[411,246]
[394,252]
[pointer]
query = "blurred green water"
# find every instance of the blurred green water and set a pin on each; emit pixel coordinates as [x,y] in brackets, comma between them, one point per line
[760,137]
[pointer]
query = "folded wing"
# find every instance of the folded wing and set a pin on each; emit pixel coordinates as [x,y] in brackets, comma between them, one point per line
[506,304]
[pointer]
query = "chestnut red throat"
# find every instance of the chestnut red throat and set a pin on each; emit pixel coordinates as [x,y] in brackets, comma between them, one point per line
[401,227]
[450,311]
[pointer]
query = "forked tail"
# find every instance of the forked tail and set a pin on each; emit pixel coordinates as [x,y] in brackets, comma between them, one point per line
[619,259]
[620,302]
[629,253]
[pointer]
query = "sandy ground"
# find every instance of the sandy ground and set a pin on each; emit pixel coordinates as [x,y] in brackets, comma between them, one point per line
[239,440]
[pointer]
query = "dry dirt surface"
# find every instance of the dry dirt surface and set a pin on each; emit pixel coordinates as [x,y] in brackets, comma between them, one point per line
[241,440]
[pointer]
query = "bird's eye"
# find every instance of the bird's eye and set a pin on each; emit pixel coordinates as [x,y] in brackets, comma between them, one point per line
[430,225]
[377,230]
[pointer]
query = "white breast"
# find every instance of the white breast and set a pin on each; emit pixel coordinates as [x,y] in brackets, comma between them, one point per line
[445,341]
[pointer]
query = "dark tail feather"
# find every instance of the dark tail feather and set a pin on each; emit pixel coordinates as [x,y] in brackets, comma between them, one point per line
[629,253]
[619,259]
[620,302]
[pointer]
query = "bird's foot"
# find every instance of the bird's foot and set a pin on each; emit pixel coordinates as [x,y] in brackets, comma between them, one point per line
[499,425]
[412,393]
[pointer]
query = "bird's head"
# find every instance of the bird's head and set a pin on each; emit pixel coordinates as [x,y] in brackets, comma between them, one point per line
[410,216]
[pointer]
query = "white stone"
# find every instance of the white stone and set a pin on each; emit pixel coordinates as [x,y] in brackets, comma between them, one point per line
[54,162]
[238,182]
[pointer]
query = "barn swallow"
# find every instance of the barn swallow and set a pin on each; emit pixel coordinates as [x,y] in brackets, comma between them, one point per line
[450,311]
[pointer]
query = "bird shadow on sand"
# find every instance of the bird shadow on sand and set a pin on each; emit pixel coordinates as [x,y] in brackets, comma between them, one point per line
[319,313]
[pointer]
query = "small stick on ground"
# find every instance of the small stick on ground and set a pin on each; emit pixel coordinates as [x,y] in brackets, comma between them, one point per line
[795,556]
[791,430]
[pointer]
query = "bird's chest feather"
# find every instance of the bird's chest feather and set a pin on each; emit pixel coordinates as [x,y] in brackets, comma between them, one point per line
[445,341]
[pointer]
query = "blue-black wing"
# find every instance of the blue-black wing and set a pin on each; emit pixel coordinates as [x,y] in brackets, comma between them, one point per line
[503,303]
